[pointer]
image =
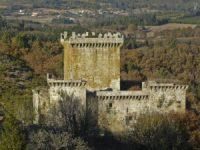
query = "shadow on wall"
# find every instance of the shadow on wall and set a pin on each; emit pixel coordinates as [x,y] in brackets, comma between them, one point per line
[92,112]
[130,84]
[68,114]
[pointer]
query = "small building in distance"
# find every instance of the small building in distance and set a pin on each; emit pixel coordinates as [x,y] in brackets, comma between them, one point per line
[34,14]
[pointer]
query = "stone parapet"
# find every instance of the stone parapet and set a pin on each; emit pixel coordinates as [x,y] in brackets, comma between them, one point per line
[64,83]
[102,40]
[122,95]
[153,85]
[166,87]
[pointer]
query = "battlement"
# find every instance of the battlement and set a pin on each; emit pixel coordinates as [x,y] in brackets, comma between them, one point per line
[92,40]
[63,83]
[154,85]
[122,95]
[165,87]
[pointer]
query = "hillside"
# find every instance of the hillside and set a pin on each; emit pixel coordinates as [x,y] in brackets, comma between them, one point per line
[124,4]
[28,51]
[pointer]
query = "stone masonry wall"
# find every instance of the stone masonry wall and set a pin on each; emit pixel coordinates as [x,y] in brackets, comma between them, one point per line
[49,97]
[92,74]
[41,103]
[96,60]
[118,110]
[71,88]
[166,97]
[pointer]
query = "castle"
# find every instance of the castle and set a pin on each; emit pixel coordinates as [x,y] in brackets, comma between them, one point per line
[92,74]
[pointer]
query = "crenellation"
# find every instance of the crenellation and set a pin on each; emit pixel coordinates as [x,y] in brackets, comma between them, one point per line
[91,35]
[92,73]
[106,38]
[62,83]
[161,86]
[113,95]
[95,45]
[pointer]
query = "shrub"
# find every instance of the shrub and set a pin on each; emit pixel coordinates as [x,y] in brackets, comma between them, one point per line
[51,139]
[11,136]
[156,131]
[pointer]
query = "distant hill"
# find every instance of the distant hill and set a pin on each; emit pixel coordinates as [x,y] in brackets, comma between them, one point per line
[123,4]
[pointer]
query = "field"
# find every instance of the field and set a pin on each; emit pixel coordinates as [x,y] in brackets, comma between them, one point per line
[40,19]
[169,26]
[3,6]
[189,20]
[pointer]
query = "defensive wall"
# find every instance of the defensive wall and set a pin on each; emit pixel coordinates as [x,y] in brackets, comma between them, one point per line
[92,74]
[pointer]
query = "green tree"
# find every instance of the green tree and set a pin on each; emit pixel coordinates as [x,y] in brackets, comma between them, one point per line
[11,136]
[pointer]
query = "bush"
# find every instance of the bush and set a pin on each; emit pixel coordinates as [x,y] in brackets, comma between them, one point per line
[11,136]
[68,114]
[51,139]
[62,21]
[156,131]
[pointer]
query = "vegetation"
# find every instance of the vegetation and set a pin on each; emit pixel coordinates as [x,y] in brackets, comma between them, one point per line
[29,50]
[50,139]
[188,20]
[11,136]
[179,61]
[62,21]
[123,4]
[69,115]
[155,131]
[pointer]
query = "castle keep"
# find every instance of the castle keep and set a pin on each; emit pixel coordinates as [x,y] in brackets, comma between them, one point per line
[92,74]
[95,59]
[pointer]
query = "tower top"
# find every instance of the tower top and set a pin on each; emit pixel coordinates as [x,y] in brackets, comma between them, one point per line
[92,37]
[94,58]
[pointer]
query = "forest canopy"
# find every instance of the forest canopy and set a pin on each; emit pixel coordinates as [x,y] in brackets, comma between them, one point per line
[28,51]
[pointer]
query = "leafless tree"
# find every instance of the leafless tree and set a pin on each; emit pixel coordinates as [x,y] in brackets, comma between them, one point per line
[69,114]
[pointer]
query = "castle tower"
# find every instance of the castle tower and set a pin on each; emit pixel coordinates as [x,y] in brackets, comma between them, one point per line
[95,59]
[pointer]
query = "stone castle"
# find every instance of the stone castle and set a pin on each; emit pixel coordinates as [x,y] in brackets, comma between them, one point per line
[92,74]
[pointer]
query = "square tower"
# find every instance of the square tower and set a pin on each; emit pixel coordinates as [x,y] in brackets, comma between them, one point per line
[95,59]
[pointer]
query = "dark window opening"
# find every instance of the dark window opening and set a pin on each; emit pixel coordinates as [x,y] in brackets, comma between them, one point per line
[128,119]
[179,106]
[110,105]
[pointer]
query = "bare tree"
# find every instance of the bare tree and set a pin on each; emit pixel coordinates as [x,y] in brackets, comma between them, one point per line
[68,114]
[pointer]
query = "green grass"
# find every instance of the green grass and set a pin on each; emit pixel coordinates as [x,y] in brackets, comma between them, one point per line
[188,20]
[170,15]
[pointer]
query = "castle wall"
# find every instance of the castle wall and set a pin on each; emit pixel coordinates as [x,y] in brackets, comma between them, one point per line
[167,97]
[96,60]
[92,111]
[44,100]
[71,88]
[41,103]
[117,110]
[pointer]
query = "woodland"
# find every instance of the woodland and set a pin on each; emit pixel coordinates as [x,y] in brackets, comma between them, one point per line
[29,50]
